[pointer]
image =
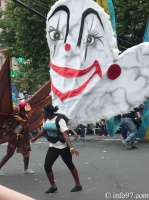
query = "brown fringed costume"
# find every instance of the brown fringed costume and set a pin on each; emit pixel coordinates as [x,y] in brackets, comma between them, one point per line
[15,128]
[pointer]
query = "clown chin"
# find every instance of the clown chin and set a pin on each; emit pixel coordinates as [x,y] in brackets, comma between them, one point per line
[81,104]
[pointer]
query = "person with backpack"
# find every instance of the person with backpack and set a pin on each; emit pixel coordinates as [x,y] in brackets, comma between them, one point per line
[59,144]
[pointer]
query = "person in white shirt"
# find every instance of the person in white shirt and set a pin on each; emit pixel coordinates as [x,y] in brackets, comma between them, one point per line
[59,144]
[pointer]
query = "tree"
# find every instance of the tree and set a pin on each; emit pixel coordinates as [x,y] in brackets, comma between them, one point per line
[29,78]
[131,19]
[25,34]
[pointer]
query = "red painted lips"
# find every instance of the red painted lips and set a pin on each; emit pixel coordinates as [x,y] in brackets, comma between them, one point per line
[73,73]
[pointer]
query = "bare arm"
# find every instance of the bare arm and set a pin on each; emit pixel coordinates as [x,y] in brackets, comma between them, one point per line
[7,194]
[73,131]
[67,139]
[40,133]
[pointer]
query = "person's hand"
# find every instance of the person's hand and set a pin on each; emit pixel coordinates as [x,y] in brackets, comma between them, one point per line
[76,135]
[33,140]
[74,152]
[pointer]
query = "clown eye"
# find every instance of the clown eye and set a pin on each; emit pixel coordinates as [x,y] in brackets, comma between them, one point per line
[90,39]
[55,35]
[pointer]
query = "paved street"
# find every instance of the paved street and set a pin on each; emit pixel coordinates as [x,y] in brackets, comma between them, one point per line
[105,168]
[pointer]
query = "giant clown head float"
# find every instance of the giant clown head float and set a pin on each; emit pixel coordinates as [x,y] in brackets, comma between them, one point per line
[89,79]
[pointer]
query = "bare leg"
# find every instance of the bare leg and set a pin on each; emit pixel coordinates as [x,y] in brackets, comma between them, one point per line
[5,159]
[26,157]
[76,177]
[26,162]
[51,179]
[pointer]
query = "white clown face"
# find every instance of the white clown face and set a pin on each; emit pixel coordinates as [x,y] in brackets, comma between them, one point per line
[88,80]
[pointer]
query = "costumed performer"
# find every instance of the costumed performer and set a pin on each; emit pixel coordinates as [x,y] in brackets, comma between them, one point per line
[19,137]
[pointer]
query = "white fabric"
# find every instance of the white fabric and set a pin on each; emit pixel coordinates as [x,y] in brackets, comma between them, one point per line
[102,97]
[58,145]
[63,126]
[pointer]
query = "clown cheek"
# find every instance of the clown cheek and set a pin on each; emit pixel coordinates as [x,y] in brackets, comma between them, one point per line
[114,71]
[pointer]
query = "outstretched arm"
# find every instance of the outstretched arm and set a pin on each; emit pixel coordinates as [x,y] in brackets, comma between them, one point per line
[40,133]
[74,132]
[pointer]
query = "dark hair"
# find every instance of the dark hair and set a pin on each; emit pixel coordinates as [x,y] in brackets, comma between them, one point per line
[50,109]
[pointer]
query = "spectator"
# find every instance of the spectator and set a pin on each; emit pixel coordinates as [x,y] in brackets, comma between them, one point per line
[127,121]
[81,130]
[103,130]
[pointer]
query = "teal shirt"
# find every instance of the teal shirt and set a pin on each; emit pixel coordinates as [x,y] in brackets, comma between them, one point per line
[50,125]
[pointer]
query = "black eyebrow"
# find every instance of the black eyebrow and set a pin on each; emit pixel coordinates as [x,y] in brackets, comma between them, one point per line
[66,9]
[85,13]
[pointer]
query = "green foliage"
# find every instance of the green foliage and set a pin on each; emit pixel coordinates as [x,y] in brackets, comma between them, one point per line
[31,79]
[131,19]
[25,34]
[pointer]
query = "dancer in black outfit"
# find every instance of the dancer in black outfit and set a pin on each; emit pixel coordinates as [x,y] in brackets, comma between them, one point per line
[59,144]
